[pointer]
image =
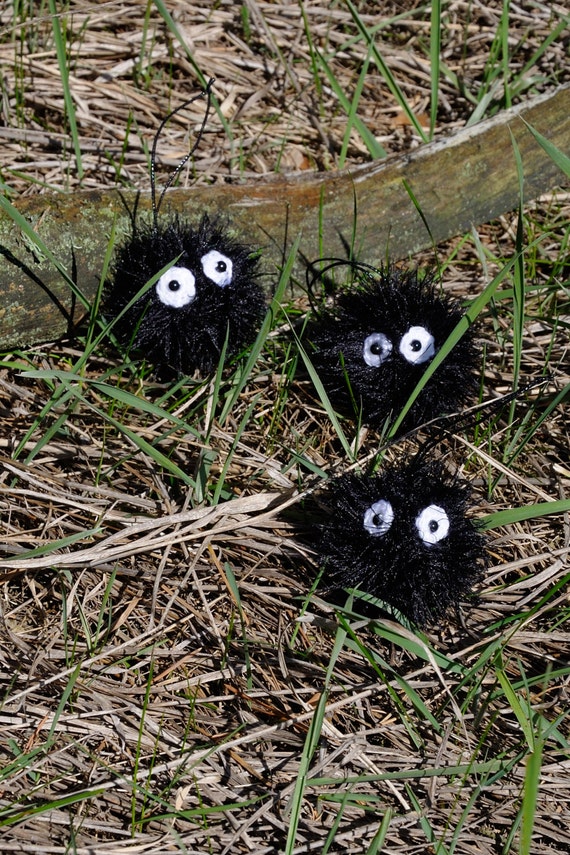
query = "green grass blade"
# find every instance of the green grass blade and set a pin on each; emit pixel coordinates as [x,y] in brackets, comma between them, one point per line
[426,824]
[311,741]
[380,837]
[419,209]
[386,73]
[498,766]
[558,157]
[381,666]
[52,546]
[157,456]
[62,59]
[522,715]
[353,110]
[236,596]
[533,60]
[375,149]
[310,746]
[475,308]
[529,512]
[519,301]
[139,745]
[243,373]
[325,401]
[505,53]
[530,796]
[435,58]
[174,29]
[229,457]
[64,699]
[18,814]
[472,313]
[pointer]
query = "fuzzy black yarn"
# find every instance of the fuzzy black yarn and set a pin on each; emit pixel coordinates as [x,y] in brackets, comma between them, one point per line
[386,308]
[187,336]
[386,534]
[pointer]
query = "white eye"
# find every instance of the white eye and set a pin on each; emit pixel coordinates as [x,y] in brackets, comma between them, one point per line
[417,345]
[377,348]
[378,518]
[176,287]
[432,524]
[217,267]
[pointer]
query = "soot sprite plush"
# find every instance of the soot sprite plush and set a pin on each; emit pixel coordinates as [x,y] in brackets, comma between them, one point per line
[209,294]
[371,350]
[402,536]
[206,295]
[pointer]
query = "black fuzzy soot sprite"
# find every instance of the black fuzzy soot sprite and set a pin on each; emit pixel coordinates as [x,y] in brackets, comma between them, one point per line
[403,537]
[371,350]
[210,294]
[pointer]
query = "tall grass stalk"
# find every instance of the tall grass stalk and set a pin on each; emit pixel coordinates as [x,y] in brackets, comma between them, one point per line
[171,665]
[65,73]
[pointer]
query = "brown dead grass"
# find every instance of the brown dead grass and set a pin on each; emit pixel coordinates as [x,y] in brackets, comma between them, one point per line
[183,701]
[125,78]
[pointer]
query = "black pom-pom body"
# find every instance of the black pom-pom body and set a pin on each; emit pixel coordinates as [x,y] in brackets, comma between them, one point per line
[209,294]
[402,536]
[372,349]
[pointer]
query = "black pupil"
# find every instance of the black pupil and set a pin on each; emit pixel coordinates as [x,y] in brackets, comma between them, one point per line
[375,348]
[376,520]
[433,525]
[174,284]
[221,266]
[416,345]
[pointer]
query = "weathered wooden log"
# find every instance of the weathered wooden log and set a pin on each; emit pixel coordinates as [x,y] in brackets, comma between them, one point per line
[463,180]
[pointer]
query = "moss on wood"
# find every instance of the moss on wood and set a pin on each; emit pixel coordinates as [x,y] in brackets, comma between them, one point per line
[464,180]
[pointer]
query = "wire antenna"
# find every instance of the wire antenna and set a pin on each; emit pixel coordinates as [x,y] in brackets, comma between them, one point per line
[451,423]
[156,205]
[314,276]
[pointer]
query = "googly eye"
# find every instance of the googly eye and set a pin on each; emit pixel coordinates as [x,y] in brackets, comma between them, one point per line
[377,349]
[378,518]
[432,524]
[217,267]
[176,288]
[417,345]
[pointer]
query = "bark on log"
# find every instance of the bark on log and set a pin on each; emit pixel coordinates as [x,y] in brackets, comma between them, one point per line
[466,179]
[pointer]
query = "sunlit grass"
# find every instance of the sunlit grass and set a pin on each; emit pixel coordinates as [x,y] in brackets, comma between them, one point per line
[462,706]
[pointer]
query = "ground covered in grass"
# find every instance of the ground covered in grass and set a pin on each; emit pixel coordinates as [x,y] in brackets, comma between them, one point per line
[171,680]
